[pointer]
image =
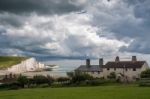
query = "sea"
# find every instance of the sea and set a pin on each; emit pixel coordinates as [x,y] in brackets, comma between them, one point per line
[61,67]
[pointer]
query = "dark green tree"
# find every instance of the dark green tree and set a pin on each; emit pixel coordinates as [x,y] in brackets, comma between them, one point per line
[63,79]
[77,78]
[22,80]
[40,79]
[112,75]
[145,74]
[70,74]
[50,80]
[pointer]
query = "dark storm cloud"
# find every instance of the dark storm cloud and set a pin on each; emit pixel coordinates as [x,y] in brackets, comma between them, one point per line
[133,24]
[139,32]
[8,19]
[139,46]
[38,6]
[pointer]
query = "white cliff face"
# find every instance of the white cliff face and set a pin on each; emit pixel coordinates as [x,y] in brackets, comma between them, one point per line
[26,66]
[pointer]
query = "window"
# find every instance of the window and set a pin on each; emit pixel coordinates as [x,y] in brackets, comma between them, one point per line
[134,69]
[114,69]
[98,72]
[93,72]
[126,69]
[107,68]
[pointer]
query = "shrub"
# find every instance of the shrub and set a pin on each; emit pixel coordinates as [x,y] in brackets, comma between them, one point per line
[13,86]
[63,79]
[112,75]
[30,82]
[22,80]
[70,74]
[10,86]
[145,74]
[3,86]
[50,80]
[39,79]
[77,78]
[145,78]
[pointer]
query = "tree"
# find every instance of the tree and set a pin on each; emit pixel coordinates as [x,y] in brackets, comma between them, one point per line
[63,79]
[40,79]
[50,80]
[70,74]
[145,74]
[112,75]
[145,78]
[22,80]
[77,78]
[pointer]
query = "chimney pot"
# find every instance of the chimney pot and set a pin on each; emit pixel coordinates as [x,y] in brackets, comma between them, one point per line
[134,59]
[117,59]
[88,62]
[101,62]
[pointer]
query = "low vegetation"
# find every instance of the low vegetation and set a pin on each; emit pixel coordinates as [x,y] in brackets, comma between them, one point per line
[145,78]
[74,79]
[7,61]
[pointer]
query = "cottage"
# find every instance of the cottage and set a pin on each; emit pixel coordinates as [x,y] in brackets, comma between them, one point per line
[125,70]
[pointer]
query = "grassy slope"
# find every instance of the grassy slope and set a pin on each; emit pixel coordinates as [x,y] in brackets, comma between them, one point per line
[101,92]
[7,61]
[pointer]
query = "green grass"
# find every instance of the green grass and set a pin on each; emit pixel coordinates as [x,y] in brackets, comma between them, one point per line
[101,92]
[7,61]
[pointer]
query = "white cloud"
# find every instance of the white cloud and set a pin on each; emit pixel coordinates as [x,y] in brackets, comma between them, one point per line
[101,28]
[65,35]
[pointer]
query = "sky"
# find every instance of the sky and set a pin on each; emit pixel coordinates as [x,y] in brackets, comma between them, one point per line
[75,29]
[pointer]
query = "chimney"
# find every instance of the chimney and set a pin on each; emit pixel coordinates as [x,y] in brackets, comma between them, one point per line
[101,62]
[117,59]
[88,62]
[134,59]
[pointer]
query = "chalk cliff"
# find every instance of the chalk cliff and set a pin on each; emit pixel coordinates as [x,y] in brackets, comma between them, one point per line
[30,64]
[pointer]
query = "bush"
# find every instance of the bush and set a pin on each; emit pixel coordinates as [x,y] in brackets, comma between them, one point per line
[145,78]
[145,74]
[50,80]
[77,78]
[22,80]
[3,86]
[112,75]
[14,86]
[39,79]
[70,74]
[11,86]
[63,79]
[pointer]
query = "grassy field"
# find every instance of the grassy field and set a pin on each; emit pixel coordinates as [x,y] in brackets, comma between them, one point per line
[101,92]
[7,61]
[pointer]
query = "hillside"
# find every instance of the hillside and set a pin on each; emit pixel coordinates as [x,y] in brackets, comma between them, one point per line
[7,61]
